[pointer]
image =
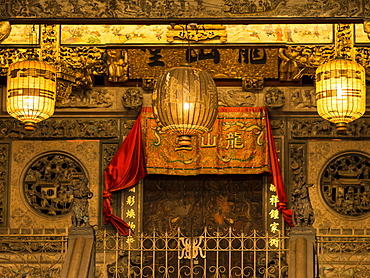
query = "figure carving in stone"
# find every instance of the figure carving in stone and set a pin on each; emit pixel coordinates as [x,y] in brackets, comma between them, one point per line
[80,209]
[132,98]
[302,208]
[117,65]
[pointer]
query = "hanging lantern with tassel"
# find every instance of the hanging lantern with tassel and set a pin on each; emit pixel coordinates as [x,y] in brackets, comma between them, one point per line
[341,92]
[185,102]
[31,92]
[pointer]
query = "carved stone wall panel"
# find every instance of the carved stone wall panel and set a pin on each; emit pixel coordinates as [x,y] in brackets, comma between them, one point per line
[67,128]
[319,128]
[21,214]
[319,153]
[302,99]
[97,99]
[236,96]
[180,9]
[4,185]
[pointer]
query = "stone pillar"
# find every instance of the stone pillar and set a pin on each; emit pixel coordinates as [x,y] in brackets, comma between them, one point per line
[80,258]
[302,252]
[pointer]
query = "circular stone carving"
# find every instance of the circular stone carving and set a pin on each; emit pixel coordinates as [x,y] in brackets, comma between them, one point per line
[345,184]
[47,183]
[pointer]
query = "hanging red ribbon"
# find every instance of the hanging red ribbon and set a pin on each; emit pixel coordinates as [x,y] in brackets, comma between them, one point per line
[125,170]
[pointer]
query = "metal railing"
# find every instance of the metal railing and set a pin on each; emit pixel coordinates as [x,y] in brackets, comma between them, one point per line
[343,253]
[216,254]
[32,252]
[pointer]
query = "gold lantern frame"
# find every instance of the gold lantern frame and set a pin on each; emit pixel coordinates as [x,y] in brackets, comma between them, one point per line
[185,102]
[31,92]
[341,91]
[341,84]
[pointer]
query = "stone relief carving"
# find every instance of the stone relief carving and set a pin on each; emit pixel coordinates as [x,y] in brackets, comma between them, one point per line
[235,98]
[50,184]
[181,8]
[2,201]
[80,207]
[132,98]
[320,153]
[274,98]
[310,128]
[77,150]
[278,127]
[345,184]
[109,151]
[303,215]
[62,128]
[126,127]
[303,98]
[90,98]
[4,153]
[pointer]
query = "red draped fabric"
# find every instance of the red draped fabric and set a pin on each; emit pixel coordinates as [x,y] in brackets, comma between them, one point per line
[276,177]
[125,170]
[128,167]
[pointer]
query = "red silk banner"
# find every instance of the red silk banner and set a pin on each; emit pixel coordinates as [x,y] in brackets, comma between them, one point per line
[125,170]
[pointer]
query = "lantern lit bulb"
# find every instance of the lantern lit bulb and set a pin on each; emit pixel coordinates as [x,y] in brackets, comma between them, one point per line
[186,105]
[340,94]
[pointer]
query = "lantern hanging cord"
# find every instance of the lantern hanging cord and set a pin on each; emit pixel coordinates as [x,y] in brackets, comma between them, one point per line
[32,42]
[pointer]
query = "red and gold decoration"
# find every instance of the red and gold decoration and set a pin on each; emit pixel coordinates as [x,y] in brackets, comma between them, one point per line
[341,91]
[185,102]
[237,144]
[242,142]
[31,92]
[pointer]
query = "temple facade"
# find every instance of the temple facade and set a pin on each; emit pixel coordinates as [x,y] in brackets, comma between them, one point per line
[100,189]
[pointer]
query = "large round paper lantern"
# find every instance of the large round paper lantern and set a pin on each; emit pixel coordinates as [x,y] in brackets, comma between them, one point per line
[185,102]
[341,91]
[31,91]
